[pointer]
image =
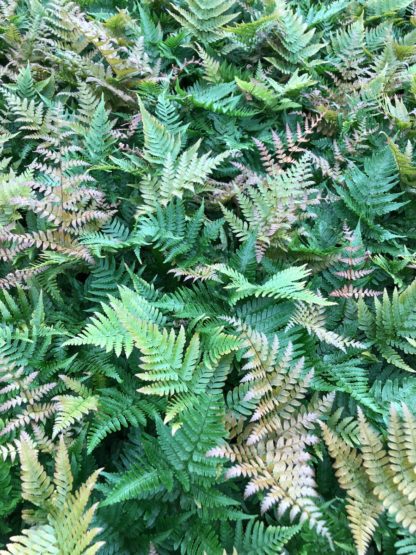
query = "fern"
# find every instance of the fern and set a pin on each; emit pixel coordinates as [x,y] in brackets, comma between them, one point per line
[389,328]
[179,172]
[271,451]
[271,209]
[255,538]
[283,285]
[369,194]
[292,42]
[363,507]
[115,411]
[382,7]
[370,477]
[108,330]
[99,140]
[207,255]
[61,519]
[205,21]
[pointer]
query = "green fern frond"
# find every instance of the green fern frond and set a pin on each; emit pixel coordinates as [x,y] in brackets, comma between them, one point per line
[390,326]
[99,140]
[205,20]
[286,284]
[293,43]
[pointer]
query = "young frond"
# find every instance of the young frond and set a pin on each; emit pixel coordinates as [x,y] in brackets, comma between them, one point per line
[392,471]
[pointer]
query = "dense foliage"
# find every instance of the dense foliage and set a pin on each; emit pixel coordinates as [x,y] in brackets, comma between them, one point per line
[207,277]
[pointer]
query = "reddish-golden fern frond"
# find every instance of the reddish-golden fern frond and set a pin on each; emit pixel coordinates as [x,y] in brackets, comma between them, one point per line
[354,268]
[380,477]
[199,273]
[294,143]
[24,402]
[271,448]
[363,507]
[20,277]
[274,206]
[60,194]
[393,472]
[351,292]
[313,319]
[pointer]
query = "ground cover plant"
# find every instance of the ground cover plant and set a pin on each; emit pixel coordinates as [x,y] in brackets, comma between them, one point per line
[207,277]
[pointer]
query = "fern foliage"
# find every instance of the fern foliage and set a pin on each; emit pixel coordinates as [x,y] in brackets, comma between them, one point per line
[207,277]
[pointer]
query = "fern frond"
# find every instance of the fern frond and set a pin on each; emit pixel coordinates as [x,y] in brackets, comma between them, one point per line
[205,20]
[390,327]
[271,448]
[363,507]
[286,284]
